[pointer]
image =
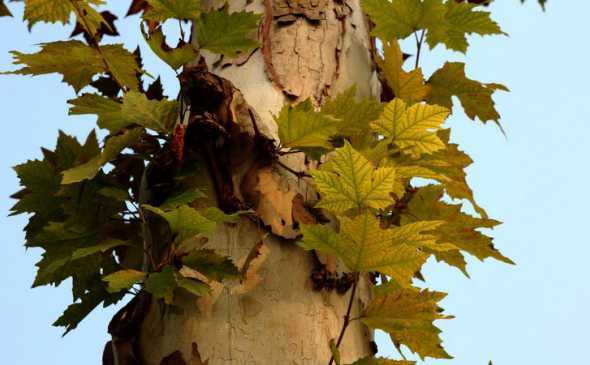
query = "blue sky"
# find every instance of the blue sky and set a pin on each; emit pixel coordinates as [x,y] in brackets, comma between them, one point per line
[533,180]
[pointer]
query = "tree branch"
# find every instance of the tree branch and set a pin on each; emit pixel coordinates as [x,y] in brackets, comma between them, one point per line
[347,318]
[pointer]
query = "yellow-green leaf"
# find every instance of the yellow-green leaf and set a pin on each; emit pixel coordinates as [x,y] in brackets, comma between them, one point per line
[354,115]
[413,129]
[78,63]
[163,284]
[364,246]
[475,97]
[162,10]
[407,315]
[228,34]
[408,86]
[135,109]
[175,57]
[397,19]
[184,220]
[301,126]
[459,229]
[53,11]
[123,280]
[113,146]
[460,20]
[349,181]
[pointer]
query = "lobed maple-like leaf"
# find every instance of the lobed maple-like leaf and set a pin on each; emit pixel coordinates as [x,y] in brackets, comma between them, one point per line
[407,314]
[412,129]
[408,86]
[364,246]
[123,279]
[226,33]
[78,63]
[59,11]
[460,20]
[475,97]
[113,146]
[162,10]
[164,284]
[135,109]
[445,22]
[459,229]
[349,181]
[446,166]
[354,114]
[184,220]
[175,57]
[301,126]
[211,264]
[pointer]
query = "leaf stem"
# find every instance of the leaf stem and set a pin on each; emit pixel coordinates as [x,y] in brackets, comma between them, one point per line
[94,44]
[347,318]
[419,42]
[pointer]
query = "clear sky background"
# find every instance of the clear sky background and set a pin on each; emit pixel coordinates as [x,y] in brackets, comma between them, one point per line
[533,180]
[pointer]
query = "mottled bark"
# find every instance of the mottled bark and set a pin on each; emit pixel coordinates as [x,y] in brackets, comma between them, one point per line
[274,316]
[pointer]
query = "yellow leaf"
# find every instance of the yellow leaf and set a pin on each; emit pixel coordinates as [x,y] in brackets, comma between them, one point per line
[407,314]
[301,126]
[413,129]
[364,246]
[408,86]
[348,180]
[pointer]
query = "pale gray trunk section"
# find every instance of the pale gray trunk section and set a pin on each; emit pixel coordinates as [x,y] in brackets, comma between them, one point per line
[276,318]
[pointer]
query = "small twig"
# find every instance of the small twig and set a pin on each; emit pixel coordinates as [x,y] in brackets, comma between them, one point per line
[181,30]
[399,350]
[347,318]
[419,43]
[299,174]
[95,44]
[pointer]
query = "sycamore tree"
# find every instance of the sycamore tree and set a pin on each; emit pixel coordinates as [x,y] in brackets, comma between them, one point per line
[271,212]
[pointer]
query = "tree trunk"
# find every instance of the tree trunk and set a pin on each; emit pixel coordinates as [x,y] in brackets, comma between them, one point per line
[275,316]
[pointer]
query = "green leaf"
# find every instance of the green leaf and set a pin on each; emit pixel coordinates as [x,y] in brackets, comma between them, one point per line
[364,246]
[211,264]
[335,352]
[354,114]
[53,11]
[218,216]
[301,126]
[113,146]
[413,129]
[407,314]
[184,220]
[446,22]
[398,19]
[348,180]
[461,20]
[475,97]
[162,10]
[76,312]
[227,34]
[174,57]
[136,109]
[102,247]
[193,286]
[408,86]
[382,361]
[123,279]
[162,284]
[78,63]
[4,10]
[183,198]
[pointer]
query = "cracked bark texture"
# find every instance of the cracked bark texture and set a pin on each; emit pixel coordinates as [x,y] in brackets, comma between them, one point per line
[274,316]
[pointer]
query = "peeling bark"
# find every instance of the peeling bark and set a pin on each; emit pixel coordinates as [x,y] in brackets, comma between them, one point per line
[272,315]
